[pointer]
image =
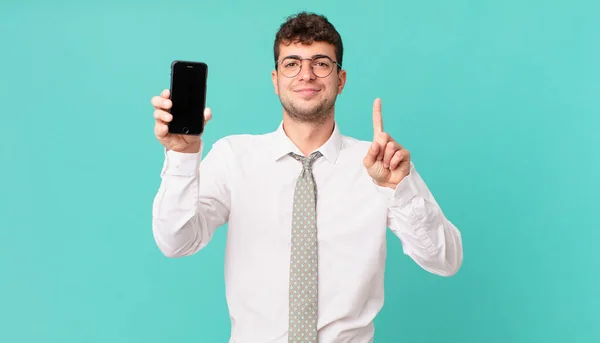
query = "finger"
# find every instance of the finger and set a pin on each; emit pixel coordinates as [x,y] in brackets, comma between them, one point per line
[162,116]
[390,150]
[166,94]
[161,129]
[207,115]
[161,103]
[371,156]
[382,140]
[377,118]
[399,157]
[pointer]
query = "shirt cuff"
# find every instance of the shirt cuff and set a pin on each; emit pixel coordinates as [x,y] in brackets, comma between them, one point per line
[404,191]
[182,164]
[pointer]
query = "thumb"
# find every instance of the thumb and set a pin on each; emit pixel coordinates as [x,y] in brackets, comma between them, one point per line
[371,156]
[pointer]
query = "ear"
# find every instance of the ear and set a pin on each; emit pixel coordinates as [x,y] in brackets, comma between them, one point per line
[341,80]
[274,80]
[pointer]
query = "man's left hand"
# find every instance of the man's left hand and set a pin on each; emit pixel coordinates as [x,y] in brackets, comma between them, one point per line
[387,162]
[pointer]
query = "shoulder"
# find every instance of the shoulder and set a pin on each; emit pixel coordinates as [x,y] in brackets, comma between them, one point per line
[241,144]
[243,140]
[354,145]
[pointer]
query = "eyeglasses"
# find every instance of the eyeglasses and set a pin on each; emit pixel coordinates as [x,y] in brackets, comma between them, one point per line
[320,65]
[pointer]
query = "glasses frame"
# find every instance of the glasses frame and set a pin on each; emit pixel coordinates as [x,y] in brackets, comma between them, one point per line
[296,57]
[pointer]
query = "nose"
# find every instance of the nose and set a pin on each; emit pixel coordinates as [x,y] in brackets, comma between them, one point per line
[306,72]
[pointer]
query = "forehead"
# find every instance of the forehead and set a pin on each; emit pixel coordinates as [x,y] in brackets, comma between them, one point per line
[307,50]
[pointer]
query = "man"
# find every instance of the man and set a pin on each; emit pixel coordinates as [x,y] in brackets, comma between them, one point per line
[307,208]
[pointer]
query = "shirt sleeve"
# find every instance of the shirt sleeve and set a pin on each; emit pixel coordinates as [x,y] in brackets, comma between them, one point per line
[193,199]
[427,236]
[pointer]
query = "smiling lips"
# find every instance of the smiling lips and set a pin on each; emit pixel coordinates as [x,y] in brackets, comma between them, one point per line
[306,92]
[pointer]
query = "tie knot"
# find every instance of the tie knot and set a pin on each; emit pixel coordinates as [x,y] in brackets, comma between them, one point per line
[307,161]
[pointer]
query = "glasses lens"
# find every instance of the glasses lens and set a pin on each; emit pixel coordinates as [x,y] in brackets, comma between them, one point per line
[322,66]
[290,67]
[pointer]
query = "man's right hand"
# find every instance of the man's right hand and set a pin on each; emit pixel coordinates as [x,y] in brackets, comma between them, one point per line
[179,143]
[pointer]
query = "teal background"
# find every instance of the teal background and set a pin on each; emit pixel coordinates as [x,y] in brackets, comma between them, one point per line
[497,101]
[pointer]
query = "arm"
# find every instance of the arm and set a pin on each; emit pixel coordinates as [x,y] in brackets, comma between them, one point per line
[427,236]
[414,216]
[192,200]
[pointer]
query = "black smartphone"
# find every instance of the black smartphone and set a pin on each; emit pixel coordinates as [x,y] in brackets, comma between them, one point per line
[188,97]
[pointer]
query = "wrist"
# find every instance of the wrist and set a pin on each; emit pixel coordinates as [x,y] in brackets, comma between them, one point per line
[385,184]
[194,148]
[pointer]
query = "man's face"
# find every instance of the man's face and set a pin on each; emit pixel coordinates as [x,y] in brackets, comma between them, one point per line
[306,97]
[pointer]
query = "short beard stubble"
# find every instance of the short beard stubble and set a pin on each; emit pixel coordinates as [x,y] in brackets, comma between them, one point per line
[316,115]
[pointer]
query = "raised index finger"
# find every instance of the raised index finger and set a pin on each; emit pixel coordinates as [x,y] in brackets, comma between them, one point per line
[377,119]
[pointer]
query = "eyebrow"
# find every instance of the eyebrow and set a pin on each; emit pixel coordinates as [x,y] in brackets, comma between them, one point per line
[313,56]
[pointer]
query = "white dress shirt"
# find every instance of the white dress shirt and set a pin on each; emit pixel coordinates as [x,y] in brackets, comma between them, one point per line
[247,181]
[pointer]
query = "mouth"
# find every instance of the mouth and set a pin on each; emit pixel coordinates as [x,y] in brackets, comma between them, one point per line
[306,92]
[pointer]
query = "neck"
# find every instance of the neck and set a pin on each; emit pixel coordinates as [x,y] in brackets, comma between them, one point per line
[308,136]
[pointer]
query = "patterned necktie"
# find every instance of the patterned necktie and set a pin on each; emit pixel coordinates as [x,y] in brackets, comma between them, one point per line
[303,298]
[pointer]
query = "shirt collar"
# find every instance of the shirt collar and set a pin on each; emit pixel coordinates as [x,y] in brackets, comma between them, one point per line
[282,145]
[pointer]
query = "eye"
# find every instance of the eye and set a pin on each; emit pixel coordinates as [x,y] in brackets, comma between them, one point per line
[321,63]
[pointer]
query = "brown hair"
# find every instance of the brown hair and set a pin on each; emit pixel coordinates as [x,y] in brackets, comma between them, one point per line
[307,28]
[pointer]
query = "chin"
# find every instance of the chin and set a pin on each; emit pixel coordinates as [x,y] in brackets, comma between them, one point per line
[308,112]
[309,109]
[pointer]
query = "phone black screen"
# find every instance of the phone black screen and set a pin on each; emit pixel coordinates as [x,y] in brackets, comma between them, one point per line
[188,96]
